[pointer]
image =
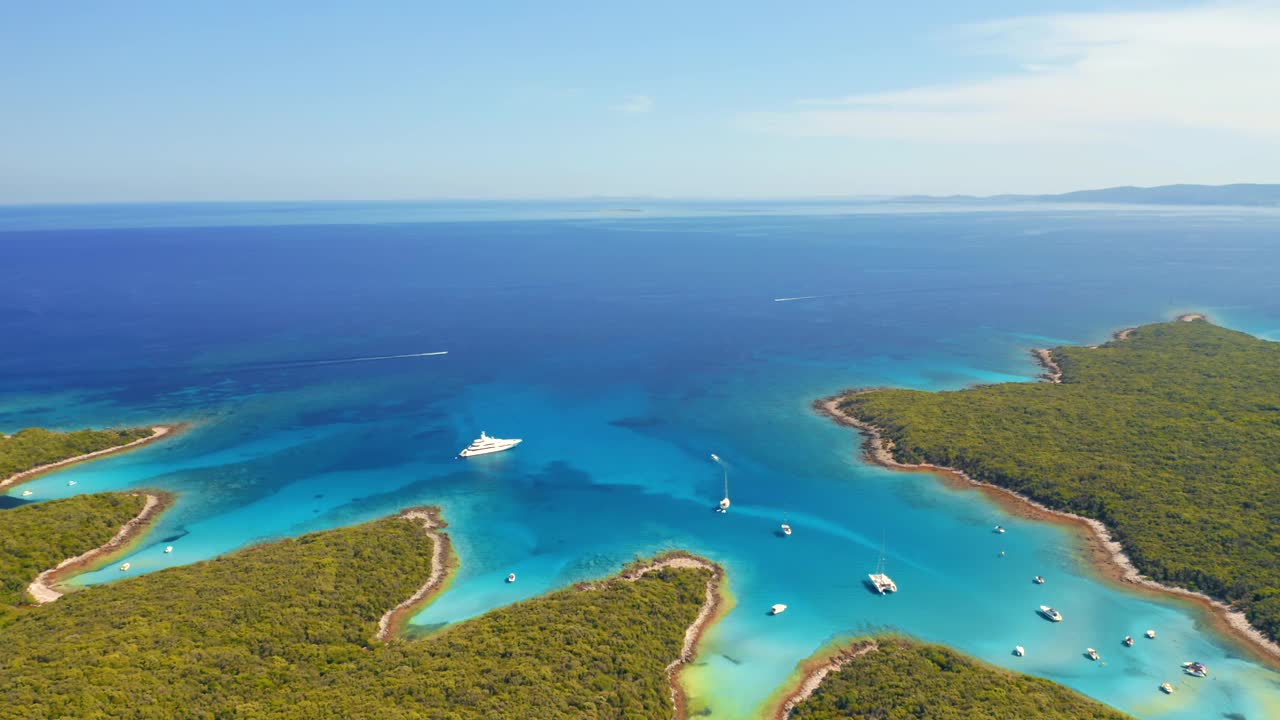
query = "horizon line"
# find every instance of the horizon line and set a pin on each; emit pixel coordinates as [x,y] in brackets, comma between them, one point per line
[610,198]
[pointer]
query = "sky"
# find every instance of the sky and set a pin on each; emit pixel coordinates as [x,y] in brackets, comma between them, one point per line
[204,101]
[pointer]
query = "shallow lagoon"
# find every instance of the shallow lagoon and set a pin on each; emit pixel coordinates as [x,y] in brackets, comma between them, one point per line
[624,351]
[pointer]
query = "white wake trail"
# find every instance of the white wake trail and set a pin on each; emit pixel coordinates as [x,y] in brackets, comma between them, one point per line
[365,359]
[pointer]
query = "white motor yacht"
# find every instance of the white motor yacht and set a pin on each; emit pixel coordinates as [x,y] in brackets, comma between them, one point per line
[1091,653]
[1019,650]
[786,529]
[777,609]
[511,578]
[1167,688]
[485,445]
[125,567]
[1151,634]
[1050,613]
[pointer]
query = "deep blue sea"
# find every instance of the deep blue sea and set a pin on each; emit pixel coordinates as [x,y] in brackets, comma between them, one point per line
[625,343]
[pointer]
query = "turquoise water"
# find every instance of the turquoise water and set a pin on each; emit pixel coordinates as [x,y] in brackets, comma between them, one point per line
[624,351]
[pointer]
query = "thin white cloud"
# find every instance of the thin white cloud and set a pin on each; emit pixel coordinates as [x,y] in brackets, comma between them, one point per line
[635,104]
[1082,78]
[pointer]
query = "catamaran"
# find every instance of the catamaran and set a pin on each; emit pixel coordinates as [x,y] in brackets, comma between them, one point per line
[484,445]
[881,582]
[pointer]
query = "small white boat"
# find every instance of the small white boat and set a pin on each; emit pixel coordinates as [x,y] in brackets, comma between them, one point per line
[1019,650]
[485,445]
[786,529]
[1195,669]
[777,609]
[125,567]
[1128,641]
[1050,613]
[1038,580]
[168,549]
[999,529]
[724,504]
[511,578]
[26,493]
[1151,634]
[71,483]
[1091,653]
[1167,688]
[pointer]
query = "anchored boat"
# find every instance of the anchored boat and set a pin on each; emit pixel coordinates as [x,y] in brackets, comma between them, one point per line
[485,445]
[1195,669]
[879,580]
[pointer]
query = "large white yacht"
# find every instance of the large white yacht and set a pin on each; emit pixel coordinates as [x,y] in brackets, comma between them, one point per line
[485,445]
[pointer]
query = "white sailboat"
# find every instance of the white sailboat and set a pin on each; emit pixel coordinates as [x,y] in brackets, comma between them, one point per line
[724,504]
[879,580]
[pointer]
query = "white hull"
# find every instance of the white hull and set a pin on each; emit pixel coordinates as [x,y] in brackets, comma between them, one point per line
[486,445]
[882,583]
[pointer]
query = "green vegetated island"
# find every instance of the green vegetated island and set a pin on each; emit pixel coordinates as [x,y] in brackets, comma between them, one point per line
[38,537]
[26,453]
[1169,435]
[291,629]
[287,630]
[894,678]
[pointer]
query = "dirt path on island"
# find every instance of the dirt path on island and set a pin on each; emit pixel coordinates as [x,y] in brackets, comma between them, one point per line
[391,622]
[712,608]
[42,588]
[814,677]
[157,432]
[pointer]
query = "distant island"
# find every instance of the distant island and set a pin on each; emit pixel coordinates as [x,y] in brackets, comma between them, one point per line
[1267,195]
[1165,441]
[895,677]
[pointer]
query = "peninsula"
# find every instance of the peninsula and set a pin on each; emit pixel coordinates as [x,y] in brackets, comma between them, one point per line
[894,677]
[30,453]
[290,629]
[1164,441]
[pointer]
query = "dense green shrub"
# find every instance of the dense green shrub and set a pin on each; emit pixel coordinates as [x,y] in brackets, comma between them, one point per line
[1171,438]
[905,680]
[33,447]
[285,630]
[36,537]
